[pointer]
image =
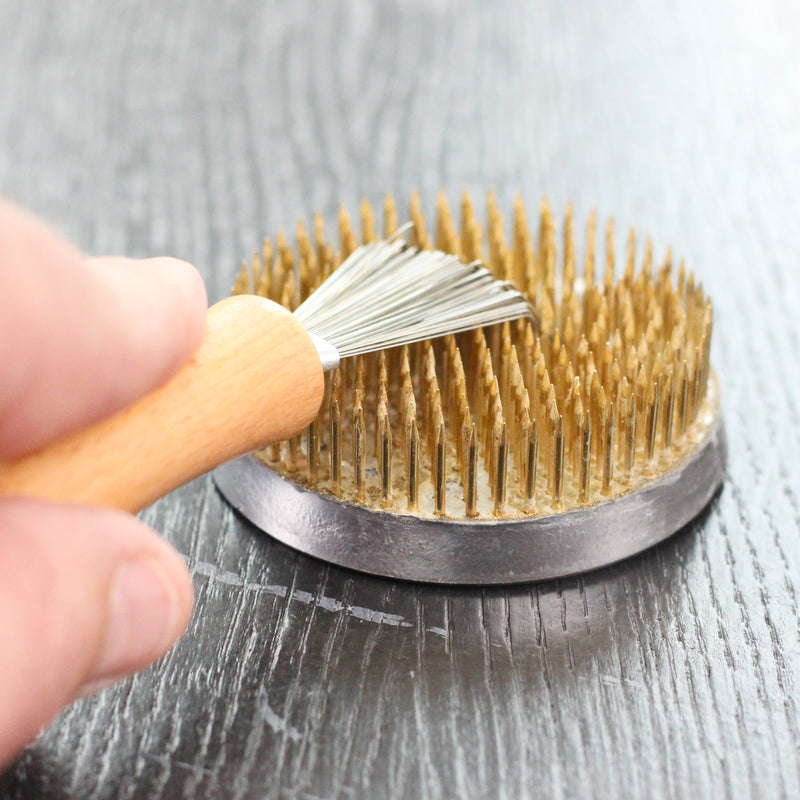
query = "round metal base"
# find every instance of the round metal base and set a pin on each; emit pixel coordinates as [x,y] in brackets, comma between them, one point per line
[475,551]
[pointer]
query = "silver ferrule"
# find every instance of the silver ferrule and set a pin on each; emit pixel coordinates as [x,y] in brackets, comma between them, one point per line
[328,354]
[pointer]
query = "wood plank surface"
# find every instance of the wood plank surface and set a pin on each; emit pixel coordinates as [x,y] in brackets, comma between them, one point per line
[196,128]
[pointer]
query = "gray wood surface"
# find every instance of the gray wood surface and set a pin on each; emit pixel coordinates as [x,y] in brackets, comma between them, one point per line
[196,128]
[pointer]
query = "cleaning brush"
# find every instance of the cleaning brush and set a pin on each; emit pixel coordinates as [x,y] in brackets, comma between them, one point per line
[531,447]
[257,377]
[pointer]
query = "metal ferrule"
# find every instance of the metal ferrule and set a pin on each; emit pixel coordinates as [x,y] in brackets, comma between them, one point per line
[328,354]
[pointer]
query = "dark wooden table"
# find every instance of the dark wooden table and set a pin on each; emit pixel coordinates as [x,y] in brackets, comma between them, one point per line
[196,128]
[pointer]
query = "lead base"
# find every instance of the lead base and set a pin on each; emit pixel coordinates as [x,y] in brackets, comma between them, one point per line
[479,551]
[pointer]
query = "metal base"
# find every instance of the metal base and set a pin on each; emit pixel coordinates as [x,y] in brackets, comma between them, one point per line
[478,551]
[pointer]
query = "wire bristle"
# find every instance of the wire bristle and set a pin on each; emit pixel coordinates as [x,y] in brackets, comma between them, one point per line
[386,294]
[507,420]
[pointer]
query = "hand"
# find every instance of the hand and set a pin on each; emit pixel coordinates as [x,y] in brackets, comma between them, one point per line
[87,595]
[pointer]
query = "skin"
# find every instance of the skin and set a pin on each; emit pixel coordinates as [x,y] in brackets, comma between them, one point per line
[87,595]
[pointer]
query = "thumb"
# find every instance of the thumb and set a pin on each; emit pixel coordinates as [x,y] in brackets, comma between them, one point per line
[87,595]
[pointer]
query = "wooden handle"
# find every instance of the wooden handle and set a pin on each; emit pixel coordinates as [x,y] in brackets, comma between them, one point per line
[256,379]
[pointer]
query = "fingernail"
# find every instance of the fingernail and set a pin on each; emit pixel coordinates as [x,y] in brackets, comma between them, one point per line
[93,687]
[144,618]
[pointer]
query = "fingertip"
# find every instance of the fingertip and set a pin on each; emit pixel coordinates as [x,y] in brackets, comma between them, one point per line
[149,605]
[165,293]
[180,283]
[87,596]
[185,284]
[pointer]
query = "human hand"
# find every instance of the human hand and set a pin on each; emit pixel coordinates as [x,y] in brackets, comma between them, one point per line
[87,595]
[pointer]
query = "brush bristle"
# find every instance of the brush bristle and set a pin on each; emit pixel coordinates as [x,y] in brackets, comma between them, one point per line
[387,294]
[506,421]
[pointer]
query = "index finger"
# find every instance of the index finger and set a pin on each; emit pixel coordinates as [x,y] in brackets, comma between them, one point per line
[81,338]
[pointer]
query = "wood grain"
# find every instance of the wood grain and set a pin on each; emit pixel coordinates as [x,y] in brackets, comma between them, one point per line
[195,129]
